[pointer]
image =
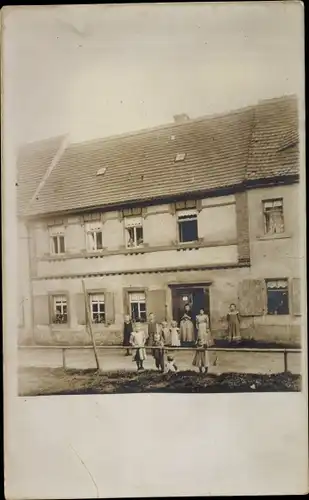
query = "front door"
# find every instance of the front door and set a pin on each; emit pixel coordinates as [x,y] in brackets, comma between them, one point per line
[197,297]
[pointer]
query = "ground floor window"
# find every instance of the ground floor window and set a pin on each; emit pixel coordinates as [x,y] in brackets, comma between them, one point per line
[277,297]
[97,308]
[138,306]
[60,309]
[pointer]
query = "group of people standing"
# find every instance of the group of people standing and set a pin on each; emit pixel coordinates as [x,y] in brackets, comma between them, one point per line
[161,335]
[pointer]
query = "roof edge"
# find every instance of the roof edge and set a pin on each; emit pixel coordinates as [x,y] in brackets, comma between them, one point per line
[216,192]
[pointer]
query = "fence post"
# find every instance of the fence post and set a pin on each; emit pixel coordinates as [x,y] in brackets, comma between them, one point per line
[285,355]
[63,359]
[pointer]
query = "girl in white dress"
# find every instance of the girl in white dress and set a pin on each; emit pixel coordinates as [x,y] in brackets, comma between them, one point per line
[138,340]
[175,337]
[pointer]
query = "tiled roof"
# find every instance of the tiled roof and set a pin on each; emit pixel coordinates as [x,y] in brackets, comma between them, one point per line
[221,151]
[275,136]
[33,161]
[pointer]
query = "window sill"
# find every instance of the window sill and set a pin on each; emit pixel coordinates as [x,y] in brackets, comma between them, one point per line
[175,245]
[277,315]
[276,236]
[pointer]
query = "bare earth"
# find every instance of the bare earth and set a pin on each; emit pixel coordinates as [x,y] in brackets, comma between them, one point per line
[46,381]
[41,372]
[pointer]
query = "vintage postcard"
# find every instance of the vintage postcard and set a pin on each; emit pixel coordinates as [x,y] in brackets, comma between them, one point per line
[154,249]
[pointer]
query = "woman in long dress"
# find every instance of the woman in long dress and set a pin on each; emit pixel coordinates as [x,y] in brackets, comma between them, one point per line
[187,335]
[233,321]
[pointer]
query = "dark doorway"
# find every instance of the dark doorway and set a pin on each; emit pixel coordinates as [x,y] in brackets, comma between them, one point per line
[196,296]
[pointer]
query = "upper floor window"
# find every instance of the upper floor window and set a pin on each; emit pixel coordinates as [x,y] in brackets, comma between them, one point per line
[97,308]
[187,225]
[273,216]
[277,297]
[94,236]
[60,309]
[134,232]
[138,306]
[57,239]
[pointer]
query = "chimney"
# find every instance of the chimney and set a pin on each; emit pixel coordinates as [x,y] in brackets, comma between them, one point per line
[181,118]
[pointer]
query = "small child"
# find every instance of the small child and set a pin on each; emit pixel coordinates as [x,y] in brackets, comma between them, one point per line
[138,340]
[170,365]
[233,321]
[174,334]
[201,356]
[127,330]
[165,333]
[158,354]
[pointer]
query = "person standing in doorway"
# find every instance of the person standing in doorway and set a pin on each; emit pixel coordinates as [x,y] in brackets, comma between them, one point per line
[187,335]
[127,330]
[233,322]
[138,340]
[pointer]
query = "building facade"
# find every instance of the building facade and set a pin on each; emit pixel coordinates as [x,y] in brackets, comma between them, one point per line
[217,224]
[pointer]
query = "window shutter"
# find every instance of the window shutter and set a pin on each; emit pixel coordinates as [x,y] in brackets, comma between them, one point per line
[252,297]
[109,308]
[155,303]
[80,308]
[296,296]
[41,310]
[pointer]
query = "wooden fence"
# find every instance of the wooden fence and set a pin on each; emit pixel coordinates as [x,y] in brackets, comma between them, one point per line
[283,351]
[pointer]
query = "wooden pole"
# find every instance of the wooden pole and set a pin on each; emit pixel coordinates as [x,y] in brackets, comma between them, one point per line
[63,359]
[89,325]
[285,361]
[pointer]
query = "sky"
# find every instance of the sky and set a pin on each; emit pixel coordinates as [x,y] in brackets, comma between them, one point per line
[95,71]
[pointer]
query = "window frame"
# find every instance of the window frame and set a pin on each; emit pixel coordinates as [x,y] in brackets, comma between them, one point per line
[180,222]
[52,297]
[97,293]
[135,227]
[289,296]
[272,200]
[90,228]
[127,303]
[57,233]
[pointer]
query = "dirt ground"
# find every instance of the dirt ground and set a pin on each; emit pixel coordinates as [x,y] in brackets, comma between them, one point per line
[47,381]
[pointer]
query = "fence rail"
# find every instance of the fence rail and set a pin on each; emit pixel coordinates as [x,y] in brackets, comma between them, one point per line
[284,351]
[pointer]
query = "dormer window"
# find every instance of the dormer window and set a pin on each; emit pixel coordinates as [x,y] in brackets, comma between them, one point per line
[101,171]
[180,157]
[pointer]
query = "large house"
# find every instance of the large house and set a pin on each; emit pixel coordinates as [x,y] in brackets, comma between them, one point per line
[203,211]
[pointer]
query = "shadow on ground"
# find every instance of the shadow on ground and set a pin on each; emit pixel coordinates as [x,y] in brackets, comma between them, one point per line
[44,381]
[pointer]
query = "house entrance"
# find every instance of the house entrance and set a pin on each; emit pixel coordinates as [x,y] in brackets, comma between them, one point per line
[196,296]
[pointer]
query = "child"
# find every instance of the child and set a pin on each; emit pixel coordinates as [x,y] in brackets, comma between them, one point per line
[174,334]
[158,354]
[233,321]
[153,327]
[138,340]
[127,330]
[170,365]
[166,333]
[201,356]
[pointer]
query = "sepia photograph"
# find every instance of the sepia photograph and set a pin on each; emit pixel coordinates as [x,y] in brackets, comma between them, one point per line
[154,224]
[164,258]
